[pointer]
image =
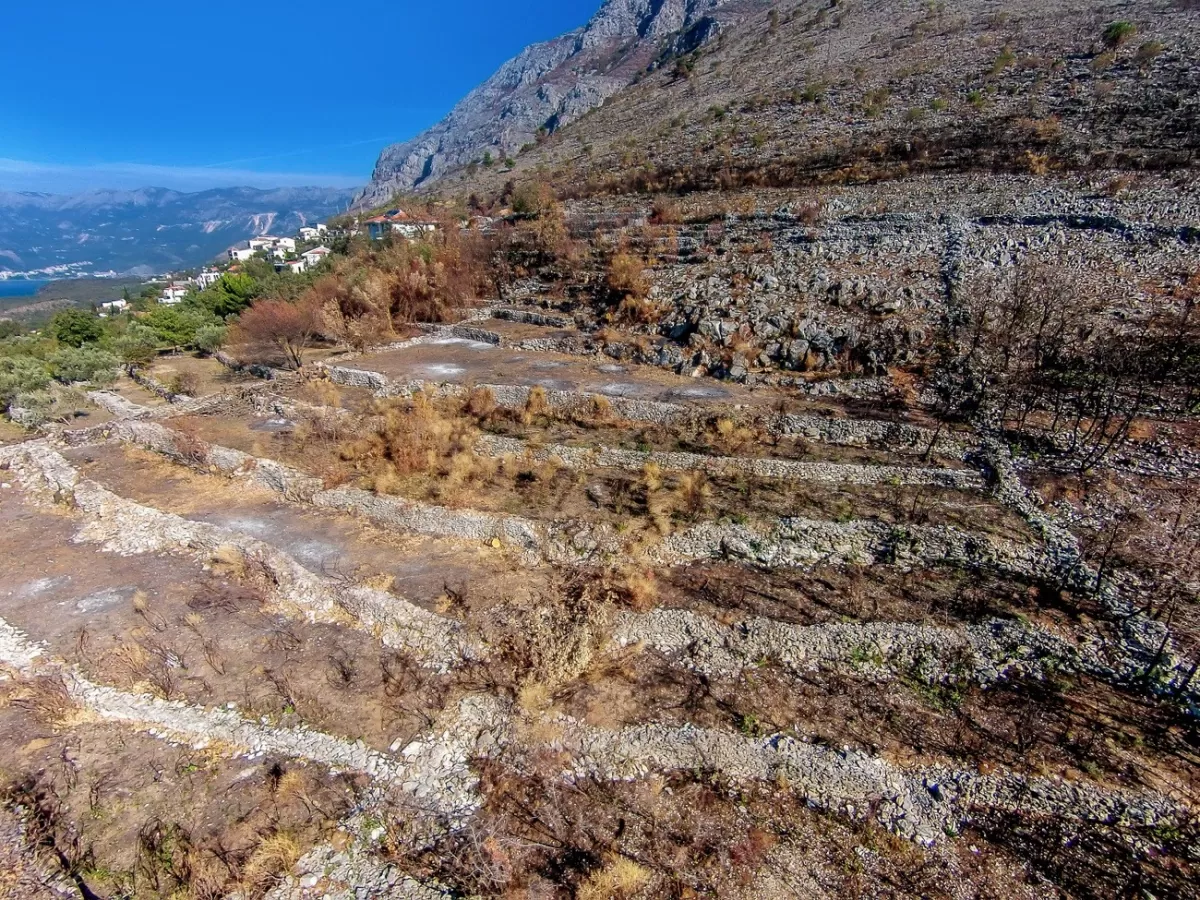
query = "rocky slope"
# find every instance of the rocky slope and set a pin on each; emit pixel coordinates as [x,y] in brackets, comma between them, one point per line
[812,93]
[148,230]
[549,85]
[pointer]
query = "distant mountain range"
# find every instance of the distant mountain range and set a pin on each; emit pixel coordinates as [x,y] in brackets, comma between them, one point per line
[149,230]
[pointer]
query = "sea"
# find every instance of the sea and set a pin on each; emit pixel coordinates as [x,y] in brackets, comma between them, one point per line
[21,287]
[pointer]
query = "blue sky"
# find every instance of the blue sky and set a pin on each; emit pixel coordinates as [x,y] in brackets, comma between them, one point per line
[207,93]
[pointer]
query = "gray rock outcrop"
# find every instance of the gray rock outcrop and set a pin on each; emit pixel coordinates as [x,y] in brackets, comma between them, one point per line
[547,85]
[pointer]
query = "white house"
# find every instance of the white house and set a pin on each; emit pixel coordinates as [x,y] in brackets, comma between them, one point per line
[400,222]
[207,278]
[264,242]
[112,307]
[312,232]
[173,293]
[241,254]
[288,244]
[413,230]
[296,266]
[315,256]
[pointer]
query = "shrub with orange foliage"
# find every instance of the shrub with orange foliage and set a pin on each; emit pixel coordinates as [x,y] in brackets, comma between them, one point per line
[666,212]
[626,277]
[277,326]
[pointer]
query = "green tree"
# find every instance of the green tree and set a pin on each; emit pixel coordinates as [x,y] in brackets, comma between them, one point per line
[177,326]
[138,345]
[76,327]
[210,338]
[231,294]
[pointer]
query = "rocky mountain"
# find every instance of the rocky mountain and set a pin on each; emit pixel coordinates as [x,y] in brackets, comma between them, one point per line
[549,85]
[147,230]
[688,96]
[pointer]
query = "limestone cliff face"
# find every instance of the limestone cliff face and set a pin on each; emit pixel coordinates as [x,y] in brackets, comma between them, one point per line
[547,86]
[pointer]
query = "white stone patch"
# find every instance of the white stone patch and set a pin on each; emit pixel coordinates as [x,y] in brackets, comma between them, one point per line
[40,586]
[461,342]
[102,600]
[442,370]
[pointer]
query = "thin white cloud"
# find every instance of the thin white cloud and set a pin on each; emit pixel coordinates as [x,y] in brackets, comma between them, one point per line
[25,175]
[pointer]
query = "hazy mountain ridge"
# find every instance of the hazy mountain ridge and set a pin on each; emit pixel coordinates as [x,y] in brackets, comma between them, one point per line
[150,229]
[549,84]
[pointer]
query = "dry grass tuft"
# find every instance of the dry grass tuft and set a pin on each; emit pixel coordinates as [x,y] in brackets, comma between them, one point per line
[533,697]
[381,582]
[536,405]
[480,403]
[141,606]
[47,699]
[413,448]
[693,493]
[620,877]
[731,437]
[271,860]
[602,409]
[638,587]
[652,476]
[322,392]
[230,562]
[290,784]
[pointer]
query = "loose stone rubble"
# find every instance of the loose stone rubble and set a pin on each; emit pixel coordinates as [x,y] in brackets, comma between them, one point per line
[983,652]
[923,804]
[117,405]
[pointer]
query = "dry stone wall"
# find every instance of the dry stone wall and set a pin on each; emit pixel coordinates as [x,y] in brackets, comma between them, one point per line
[923,804]
[585,459]
[122,526]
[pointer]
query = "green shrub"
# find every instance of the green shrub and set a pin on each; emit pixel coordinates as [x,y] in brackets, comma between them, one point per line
[1004,60]
[35,407]
[1117,33]
[21,375]
[813,92]
[91,364]
[1148,52]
